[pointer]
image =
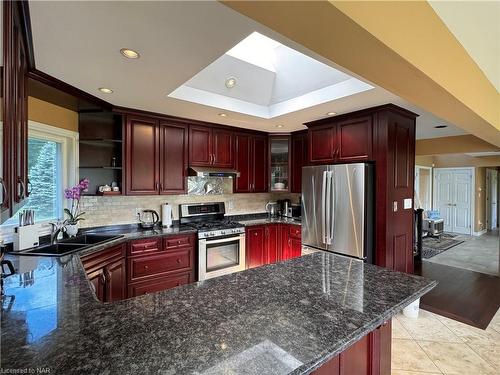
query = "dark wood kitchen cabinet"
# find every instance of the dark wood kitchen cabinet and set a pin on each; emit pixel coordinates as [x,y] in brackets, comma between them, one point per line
[210,147]
[371,355]
[339,141]
[291,243]
[273,243]
[384,136]
[142,150]
[156,156]
[15,186]
[155,264]
[106,272]
[251,162]
[299,160]
[256,251]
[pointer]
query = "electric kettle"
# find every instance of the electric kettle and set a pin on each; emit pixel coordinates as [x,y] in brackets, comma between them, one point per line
[148,218]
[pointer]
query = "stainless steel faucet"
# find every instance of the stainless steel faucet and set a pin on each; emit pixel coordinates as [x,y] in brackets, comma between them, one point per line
[56,228]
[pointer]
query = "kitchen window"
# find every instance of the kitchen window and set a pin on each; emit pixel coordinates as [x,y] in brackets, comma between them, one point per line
[51,168]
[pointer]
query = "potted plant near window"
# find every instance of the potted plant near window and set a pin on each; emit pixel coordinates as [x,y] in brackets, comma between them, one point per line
[74,216]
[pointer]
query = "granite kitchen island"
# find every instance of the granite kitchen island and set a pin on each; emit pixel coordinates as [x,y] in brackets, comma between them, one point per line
[289,317]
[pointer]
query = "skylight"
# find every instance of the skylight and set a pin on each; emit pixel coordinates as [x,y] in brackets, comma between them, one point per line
[268,79]
[256,49]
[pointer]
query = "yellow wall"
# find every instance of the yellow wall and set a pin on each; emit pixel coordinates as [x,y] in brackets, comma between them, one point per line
[424,161]
[480,200]
[453,145]
[51,114]
[461,160]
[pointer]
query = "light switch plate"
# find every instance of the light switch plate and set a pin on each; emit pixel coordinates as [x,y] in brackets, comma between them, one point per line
[395,206]
[407,203]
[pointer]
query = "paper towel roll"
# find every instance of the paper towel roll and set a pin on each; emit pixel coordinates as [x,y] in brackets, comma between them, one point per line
[166,215]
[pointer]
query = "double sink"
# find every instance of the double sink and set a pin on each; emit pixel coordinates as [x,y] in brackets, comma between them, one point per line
[71,245]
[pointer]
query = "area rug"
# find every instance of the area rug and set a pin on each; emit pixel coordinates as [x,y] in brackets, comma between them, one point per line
[432,246]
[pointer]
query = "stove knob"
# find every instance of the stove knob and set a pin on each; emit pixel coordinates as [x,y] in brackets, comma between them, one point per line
[222,232]
[211,234]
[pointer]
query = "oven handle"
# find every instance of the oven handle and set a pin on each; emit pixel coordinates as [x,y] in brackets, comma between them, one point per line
[229,239]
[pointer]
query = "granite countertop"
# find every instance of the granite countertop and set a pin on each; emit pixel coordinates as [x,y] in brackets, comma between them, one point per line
[288,317]
[262,219]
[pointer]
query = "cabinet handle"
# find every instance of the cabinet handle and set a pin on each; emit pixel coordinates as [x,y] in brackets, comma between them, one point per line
[103,278]
[23,188]
[179,242]
[146,267]
[161,186]
[213,158]
[178,260]
[30,188]
[4,192]
[255,234]
[157,186]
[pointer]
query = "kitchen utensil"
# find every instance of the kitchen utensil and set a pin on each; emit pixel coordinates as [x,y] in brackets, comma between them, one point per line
[148,218]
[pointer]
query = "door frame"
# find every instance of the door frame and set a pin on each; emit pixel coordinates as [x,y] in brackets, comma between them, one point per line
[472,193]
[430,184]
[489,172]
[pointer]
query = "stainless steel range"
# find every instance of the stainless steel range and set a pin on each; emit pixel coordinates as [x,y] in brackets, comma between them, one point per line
[221,242]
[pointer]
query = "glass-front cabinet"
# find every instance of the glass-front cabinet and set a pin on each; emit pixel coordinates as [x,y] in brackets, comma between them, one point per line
[279,147]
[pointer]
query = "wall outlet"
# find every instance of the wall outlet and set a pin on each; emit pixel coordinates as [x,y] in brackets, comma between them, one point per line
[230,205]
[137,211]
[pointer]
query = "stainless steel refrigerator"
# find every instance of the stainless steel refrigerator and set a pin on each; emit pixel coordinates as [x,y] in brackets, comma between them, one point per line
[337,209]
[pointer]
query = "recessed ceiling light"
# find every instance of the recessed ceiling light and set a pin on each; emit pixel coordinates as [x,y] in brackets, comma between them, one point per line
[440,126]
[331,113]
[279,126]
[230,82]
[129,53]
[105,90]
[222,115]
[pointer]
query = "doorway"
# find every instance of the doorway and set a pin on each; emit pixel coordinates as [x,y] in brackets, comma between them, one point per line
[423,187]
[453,198]
[491,199]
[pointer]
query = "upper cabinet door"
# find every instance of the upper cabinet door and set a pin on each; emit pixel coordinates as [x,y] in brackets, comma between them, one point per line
[354,139]
[299,159]
[321,144]
[242,163]
[173,158]
[259,167]
[142,156]
[222,141]
[200,146]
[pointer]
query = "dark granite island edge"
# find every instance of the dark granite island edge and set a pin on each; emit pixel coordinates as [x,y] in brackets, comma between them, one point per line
[314,324]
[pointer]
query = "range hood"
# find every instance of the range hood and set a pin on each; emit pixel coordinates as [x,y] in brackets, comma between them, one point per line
[213,172]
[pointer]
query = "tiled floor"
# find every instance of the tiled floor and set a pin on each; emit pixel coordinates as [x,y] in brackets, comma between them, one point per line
[432,344]
[480,254]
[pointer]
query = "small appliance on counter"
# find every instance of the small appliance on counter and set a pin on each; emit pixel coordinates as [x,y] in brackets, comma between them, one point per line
[148,219]
[273,209]
[167,215]
[294,211]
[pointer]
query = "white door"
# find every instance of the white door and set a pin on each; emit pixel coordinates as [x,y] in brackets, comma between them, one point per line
[494,199]
[452,198]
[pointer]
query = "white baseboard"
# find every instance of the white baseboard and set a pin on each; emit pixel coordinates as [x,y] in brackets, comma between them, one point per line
[480,233]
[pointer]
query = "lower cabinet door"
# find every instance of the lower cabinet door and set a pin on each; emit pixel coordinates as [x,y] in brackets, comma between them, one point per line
[115,280]
[156,265]
[256,254]
[159,284]
[295,247]
[98,283]
[273,243]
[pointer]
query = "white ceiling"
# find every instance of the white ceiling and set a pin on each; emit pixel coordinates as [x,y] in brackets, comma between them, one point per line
[476,25]
[79,43]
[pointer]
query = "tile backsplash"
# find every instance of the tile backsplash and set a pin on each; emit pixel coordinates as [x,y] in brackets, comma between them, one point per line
[111,210]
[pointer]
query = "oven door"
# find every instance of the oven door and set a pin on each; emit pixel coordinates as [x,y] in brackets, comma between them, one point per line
[221,256]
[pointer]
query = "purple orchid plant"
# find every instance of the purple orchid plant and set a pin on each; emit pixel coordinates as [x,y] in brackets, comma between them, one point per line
[74,194]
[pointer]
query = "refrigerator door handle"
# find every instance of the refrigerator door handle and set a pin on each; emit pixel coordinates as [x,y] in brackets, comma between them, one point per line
[323,208]
[332,206]
[328,207]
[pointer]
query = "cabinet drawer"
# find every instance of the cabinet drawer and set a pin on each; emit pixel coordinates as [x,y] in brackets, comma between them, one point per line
[101,258]
[175,242]
[149,245]
[151,265]
[159,284]
[295,231]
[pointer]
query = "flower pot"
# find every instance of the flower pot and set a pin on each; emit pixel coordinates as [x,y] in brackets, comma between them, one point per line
[72,230]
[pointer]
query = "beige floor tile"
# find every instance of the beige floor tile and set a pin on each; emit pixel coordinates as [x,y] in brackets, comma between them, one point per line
[407,355]
[456,358]
[398,331]
[495,322]
[428,328]
[472,335]
[490,354]
[403,372]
